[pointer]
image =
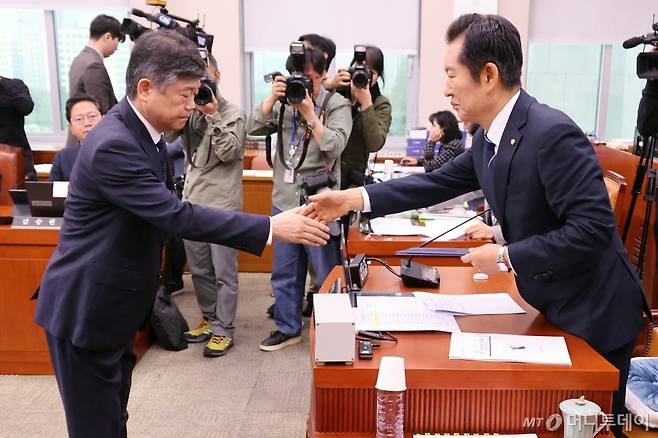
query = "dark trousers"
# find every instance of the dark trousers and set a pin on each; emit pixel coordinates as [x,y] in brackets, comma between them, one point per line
[620,359]
[94,386]
[174,263]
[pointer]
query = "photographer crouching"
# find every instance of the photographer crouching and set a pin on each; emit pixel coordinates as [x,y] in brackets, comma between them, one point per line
[312,126]
[213,143]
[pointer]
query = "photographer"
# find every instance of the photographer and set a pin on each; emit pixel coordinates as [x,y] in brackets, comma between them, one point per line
[371,116]
[319,124]
[213,142]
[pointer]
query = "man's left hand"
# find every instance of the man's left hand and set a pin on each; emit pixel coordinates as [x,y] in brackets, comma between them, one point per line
[210,108]
[483,258]
[306,107]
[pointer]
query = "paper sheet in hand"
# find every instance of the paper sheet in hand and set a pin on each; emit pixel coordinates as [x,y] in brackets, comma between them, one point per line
[404,227]
[509,348]
[400,314]
[470,304]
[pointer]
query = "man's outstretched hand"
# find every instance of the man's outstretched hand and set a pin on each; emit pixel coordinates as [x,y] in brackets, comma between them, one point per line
[295,227]
[331,205]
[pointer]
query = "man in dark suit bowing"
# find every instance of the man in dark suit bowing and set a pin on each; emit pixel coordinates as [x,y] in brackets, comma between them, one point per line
[540,175]
[100,284]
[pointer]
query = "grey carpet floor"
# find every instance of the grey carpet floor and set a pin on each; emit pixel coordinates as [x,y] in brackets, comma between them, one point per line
[247,393]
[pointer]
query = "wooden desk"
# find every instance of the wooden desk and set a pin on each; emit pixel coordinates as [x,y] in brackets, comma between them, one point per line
[385,247]
[451,396]
[24,255]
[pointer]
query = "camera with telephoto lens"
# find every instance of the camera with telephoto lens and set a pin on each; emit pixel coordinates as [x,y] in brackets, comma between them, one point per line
[317,182]
[647,62]
[360,72]
[207,90]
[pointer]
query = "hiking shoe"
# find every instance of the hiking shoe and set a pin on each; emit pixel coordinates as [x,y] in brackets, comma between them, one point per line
[218,346]
[278,340]
[202,332]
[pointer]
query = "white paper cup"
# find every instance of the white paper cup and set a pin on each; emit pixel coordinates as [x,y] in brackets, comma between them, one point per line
[391,374]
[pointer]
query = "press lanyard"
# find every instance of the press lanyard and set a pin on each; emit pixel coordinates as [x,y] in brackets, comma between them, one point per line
[293,131]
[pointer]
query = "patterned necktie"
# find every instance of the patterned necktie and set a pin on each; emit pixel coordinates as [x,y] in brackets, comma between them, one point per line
[162,152]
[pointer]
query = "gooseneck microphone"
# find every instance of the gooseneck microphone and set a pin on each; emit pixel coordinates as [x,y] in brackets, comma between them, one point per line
[419,275]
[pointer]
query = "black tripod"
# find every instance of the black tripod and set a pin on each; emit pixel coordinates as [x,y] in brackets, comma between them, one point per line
[644,168]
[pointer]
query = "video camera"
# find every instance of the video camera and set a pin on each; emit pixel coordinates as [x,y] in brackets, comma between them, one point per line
[297,83]
[647,62]
[165,20]
[360,72]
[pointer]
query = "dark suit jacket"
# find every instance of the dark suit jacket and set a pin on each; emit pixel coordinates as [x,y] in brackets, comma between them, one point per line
[100,284]
[63,163]
[549,197]
[15,104]
[88,75]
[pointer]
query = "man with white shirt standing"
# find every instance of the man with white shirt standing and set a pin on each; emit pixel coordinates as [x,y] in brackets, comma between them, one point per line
[87,74]
[543,182]
[101,281]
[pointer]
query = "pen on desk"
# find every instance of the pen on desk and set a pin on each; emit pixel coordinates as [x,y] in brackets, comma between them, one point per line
[517,347]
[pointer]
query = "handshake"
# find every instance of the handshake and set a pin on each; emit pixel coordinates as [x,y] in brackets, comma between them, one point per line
[306,225]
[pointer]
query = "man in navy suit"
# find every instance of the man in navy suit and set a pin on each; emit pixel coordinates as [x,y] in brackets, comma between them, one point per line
[100,284]
[82,113]
[541,177]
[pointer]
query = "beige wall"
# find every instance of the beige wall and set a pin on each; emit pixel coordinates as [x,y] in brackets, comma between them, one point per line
[222,19]
[435,17]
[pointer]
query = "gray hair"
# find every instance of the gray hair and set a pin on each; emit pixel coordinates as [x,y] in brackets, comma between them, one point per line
[163,57]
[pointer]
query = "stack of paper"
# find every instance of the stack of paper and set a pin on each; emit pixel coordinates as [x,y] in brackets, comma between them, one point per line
[509,348]
[520,435]
[405,227]
[470,304]
[428,251]
[400,313]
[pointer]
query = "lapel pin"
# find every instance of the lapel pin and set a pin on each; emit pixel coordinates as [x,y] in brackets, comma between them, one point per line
[512,141]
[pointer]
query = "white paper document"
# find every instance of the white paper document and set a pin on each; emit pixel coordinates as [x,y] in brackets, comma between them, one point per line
[400,314]
[60,189]
[405,227]
[550,350]
[470,304]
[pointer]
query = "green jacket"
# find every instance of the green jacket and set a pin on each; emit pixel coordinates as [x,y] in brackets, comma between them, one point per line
[369,130]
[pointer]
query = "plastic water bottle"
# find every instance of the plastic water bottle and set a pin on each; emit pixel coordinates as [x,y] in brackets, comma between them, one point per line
[390,414]
[391,385]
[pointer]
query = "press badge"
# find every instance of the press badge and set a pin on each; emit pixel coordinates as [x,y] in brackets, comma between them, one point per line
[289,176]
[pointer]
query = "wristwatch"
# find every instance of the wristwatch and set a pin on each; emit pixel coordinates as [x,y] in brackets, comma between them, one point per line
[500,259]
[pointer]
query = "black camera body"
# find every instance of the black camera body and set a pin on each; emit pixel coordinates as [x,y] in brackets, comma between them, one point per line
[297,84]
[647,62]
[360,72]
[314,183]
[207,90]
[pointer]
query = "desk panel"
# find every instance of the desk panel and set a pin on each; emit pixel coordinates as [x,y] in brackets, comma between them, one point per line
[456,396]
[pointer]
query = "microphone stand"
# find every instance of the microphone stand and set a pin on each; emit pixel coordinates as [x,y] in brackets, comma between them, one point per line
[419,275]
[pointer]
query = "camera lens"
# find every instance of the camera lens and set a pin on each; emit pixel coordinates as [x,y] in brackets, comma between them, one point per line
[204,95]
[360,79]
[295,91]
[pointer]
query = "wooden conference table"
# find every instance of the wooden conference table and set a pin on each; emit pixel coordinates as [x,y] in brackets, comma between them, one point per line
[456,396]
[24,255]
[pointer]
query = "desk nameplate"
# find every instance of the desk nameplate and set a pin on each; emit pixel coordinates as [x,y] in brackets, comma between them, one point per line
[37,223]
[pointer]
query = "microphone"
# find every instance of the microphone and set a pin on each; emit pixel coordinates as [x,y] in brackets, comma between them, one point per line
[419,275]
[162,20]
[633,42]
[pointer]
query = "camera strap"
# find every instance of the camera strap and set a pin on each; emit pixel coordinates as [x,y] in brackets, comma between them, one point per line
[322,120]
